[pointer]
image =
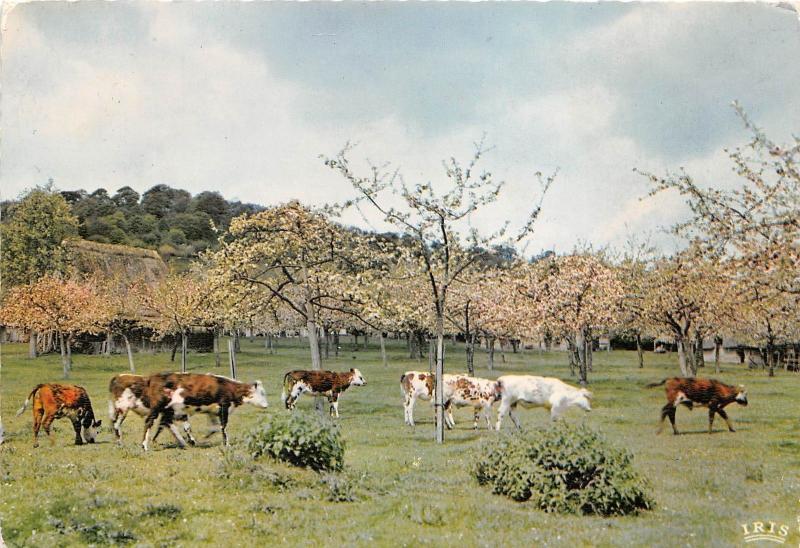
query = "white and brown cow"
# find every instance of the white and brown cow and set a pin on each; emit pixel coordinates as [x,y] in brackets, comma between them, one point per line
[533,391]
[319,383]
[459,391]
[176,394]
[129,393]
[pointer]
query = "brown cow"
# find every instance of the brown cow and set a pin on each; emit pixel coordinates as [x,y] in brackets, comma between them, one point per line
[175,394]
[703,392]
[319,383]
[129,393]
[54,401]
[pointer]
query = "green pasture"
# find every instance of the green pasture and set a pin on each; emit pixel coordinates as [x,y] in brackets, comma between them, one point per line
[399,488]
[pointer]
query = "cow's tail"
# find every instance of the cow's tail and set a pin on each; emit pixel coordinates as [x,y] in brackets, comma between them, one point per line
[402,384]
[654,384]
[22,409]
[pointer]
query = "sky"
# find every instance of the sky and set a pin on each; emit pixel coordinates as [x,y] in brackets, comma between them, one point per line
[244,98]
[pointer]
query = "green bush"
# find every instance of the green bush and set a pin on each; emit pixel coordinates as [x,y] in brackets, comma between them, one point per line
[300,439]
[566,469]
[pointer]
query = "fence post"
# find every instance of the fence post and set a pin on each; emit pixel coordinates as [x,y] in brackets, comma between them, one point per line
[232,357]
[183,352]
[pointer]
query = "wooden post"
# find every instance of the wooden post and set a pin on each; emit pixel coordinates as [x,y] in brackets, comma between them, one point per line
[183,351]
[232,357]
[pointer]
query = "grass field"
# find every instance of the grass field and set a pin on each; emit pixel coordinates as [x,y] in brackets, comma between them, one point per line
[406,489]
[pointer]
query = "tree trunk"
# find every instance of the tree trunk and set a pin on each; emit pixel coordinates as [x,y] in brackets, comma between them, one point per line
[32,342]
[431,356]
[439,403]
[336,344]
[699,357]
[327,342]
[589,350]
[109,343]
[639,349]
[717,345]
[237,346]
[771,357]
[514,345]
[366,339]
[217,359]
[502,351]
[470,347]
[130,352]
[183,351]
[174,350]
[383,349]
[572,352]
[491,353]
[355,341]
[64,360]
[580,343]
[684,358]
[232,357]
[409,345]
[316,359]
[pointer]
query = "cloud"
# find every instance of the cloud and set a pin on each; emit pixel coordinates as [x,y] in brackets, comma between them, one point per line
[243,97]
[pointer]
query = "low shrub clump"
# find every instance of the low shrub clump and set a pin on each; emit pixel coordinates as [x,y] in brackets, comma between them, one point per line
[301,439]
[566,469]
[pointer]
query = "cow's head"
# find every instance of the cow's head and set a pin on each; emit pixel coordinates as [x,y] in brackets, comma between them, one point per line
[583,400]
[358,378]
[257,395]
[90,427]
[741,395]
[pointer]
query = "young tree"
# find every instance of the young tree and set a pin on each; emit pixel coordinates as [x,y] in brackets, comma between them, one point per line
[301,259]
[174,306]
[66,307]
[578,294]
[430,222]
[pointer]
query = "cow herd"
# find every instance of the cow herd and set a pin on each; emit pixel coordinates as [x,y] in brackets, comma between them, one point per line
[166,399]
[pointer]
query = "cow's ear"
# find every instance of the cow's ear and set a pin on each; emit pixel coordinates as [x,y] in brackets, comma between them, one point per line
[352,370]
[97,424]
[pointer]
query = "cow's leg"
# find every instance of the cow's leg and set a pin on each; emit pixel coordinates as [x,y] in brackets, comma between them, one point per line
[119,418]
[148,426]
[724,415]
[449,421]
[664,414]
[223,422]
[487,413]
[46,422]
[408,407]
[334,399]
[187,429]
[711,412]
[505,408]
[37,424]
[513,414]
[476,417]
[76,425]
[668,411]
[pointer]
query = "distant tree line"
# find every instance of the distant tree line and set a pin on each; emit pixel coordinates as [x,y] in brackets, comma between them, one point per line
[167,219]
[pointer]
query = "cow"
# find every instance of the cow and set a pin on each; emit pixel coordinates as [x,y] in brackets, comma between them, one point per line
[177,394]
[128,393]
[54,401]
[459,391]
[319,383]
[690,391]
[532,391]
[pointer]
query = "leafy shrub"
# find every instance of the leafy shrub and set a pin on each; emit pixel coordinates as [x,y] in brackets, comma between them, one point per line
[301,439]
[564,469]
